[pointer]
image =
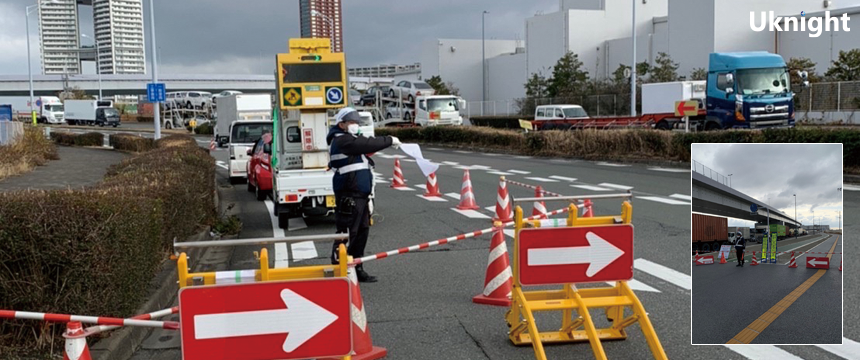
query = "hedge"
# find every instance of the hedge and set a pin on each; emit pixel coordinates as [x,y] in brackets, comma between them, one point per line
[94,250]
[31,150]
[71,139]
[132,143]
[205,129]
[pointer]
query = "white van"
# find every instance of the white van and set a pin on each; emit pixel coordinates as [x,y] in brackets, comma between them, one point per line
[438,110]
[560,112]
[243,135]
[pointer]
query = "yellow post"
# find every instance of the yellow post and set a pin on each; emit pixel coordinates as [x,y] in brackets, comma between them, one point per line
[626,212]
[264,264]
[341,251]
[182,269]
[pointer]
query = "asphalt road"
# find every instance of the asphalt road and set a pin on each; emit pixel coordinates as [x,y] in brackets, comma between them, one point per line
[422,309]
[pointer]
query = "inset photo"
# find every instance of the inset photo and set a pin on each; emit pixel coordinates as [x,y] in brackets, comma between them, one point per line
[766,244]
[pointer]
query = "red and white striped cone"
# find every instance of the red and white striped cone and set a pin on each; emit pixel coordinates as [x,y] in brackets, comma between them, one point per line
[397,181]
[212,145]
[587,208]
[76,344]
[793,263]
[362,346]
[503,202]
[432,186]
[539,208]
[467,198]
[497,283]
[754,261]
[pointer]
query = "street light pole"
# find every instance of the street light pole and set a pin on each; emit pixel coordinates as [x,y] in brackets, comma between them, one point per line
[156,108]
[730,180]
[795,213]
[633,67]
[29,65]
[483,62]
[98,71]
[330,25]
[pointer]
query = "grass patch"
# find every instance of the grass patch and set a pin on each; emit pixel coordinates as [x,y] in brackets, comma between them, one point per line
[71,139]
[32,150]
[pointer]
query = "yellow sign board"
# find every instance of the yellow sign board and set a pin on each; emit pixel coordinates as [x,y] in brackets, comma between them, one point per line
[310,76]
[687,108]
[525,124]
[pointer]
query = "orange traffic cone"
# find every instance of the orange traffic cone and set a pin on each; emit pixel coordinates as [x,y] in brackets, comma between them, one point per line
[397,181]
[722,258]
[362,346]
[754,261]
[587,206]
[793,263]
[503,203]
[467,198]
[76,343]
[432,186]
[539,206]
[497,282]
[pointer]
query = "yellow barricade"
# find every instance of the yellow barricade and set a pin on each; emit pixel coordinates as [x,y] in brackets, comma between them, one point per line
[571,301]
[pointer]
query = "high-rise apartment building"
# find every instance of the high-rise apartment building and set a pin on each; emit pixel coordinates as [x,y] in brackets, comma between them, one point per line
[322,19]
[59,37]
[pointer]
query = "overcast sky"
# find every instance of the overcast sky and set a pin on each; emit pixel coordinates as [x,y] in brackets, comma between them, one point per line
[771,173]
[241,37]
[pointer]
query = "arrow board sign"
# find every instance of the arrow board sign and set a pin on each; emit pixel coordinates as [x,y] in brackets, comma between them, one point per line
[575,255]
[818,263]
[269,320]
[705,260]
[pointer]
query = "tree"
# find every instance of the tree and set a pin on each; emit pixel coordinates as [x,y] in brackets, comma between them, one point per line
[74,93]
[846,68]
[536,88]
[441,87]
[801,64]
[699,74]
[452,90]
[568,77]
[665,70]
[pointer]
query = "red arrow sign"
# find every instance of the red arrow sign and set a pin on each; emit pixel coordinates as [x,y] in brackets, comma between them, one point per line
[271,320]
[705,260]
[686,108]
[817,262]
[575,255]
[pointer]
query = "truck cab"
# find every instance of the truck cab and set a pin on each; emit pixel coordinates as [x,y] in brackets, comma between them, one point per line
[749,90]
[438,110]
[243,136]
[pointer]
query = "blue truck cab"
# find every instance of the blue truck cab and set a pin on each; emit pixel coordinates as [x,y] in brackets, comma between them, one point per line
[749,90]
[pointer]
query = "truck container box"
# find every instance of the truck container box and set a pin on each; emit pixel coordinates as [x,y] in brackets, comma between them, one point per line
[709,228]
[660,98]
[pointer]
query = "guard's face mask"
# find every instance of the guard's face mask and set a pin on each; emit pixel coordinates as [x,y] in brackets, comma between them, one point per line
[353,129]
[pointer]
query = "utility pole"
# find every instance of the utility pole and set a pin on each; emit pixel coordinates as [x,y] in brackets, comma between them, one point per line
[633,67]
[483,63]
[156,108]
[795,214]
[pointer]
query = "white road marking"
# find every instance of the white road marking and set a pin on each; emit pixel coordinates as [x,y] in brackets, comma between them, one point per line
[481,167]
[432,198]
[562,178]
[669,170]
[471,214]
[762,352]
[282,256]
[849,348]
[591,188]
[611,164]
[851,187]
[499,173]
[304,250]
[675,277]
[509,232]
[384,156]
[406,188]
[491,209]
[409,160]
[519,172]
[615,186]
[682,196]
[492,154]
[562,161]
[221,164]
[422,186]
[663,200]
[450,163]
[462,152]
[637,285]
[454,196]
[280,248]
[541,179]
[436,149]
[522,157]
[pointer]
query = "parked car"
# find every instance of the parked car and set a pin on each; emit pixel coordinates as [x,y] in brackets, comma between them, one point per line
[188,100]
[409,90]
[560,112]
[398,112]
[224,93]
[259,168]
[170,99]
[354,97]
[369,97]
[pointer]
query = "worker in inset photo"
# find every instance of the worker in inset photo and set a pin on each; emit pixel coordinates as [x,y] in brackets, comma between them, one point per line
[740,245]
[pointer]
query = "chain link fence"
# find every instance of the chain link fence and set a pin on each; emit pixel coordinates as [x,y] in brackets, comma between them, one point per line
[711,174]
[828,96]
[594,105]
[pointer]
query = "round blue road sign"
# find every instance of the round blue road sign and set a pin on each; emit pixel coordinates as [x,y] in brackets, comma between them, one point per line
[38,102]
[753,208]
[334,95]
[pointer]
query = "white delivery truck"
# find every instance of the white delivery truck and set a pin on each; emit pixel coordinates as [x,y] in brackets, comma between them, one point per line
[49,109]
[439,110]
[91,112]
[243,135]
[240,107]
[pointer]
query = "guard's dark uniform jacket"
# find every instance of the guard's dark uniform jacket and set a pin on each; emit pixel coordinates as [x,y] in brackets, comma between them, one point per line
[353,177]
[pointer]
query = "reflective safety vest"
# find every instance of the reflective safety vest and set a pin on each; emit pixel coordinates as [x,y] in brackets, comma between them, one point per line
[352,176]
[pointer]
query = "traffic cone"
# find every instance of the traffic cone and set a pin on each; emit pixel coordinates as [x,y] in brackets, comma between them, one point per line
[587,206]
[397,181]
[76,344]
[539,206]
[212,145]
[754,261]
[362,346]
[497,282]
[722,258]
[793,263]
[503,203]
[432,186]
[467,198]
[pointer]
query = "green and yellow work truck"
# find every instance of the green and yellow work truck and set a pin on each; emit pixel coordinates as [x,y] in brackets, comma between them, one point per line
[779,230]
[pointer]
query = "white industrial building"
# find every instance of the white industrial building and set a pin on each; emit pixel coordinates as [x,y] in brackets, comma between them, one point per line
[382,70]
[599,32]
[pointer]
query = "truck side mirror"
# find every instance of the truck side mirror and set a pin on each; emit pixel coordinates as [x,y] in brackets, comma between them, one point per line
[729,91]
[730,80]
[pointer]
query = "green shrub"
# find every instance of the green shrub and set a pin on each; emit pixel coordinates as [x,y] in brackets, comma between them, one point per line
[133,143]
[205,129]
[70,139]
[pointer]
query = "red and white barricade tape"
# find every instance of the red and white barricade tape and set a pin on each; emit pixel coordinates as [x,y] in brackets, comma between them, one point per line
[150,316]
[64,318]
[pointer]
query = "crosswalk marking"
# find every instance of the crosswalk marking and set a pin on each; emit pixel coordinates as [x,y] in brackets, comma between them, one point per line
[436,149]
[519,172]
[682,196]
[522,157]
[221,164]
[471,167]
[663,200]
[675,277]
[422,186]
[562,178]
[541,179]
[491,209]
[492,154]
[454,196]
[282,259]
[409,160]
[669,170]
[849,348]
[615,186]
[637,285]
[611,164]
[499,173]
[471,214]
[450,163]
[406,188]
[762,352]
[851,187]
[462,152]
[304,250]
[591,188]
[432,198]
[384,156]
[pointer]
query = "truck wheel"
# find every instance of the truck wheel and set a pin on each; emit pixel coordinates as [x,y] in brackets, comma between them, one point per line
[261,195]
[712,126]
[189,106]
[410,98]
[168,125]
[284,220]
[663,125]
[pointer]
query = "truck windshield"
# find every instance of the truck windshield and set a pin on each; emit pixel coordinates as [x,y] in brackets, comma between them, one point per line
[54,108]
[574,112]
[443,105]
[762,81]
[249,133]
[111,112]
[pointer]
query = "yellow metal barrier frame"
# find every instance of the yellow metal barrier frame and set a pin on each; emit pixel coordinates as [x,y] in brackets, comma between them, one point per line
[614,300]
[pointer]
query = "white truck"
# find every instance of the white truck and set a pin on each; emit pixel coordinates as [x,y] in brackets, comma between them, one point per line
[745,232]
[243,135]
[49,109]
[91,112]
[438,110]
[240,107]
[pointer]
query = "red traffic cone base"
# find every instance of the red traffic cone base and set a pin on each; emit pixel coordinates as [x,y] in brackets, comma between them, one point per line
[467,198]
[497,283]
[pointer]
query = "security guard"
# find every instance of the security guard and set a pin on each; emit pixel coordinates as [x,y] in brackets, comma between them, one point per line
[740,244]
[353,182]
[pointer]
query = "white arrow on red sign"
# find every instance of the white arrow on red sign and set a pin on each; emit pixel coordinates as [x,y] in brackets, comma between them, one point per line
[300,321]
[815,262]
[598,254]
